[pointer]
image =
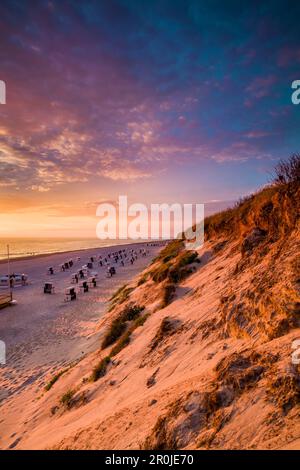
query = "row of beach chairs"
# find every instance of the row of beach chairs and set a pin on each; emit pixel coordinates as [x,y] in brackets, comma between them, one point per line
[71,291]
[84,278]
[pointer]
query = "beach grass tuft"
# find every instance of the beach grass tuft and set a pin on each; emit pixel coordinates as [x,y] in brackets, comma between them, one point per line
[55,379]
[119,324]
[66,399]
[100,369]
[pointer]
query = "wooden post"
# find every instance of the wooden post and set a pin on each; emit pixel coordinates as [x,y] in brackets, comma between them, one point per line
[8,272]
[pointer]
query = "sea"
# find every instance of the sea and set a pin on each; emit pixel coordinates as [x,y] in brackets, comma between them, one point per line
[19,247]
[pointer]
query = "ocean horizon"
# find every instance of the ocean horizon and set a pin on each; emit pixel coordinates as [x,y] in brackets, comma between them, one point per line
[20,247]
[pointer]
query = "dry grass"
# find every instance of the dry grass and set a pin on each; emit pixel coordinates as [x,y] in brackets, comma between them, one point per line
[186,417]
[131,312]
[141,320]
[169,290]
[160,438]
[55,379]
[120,296]
[114,332]
[160,272]
[240,371]
[100,369]
[175,269]
[274,209]
[143,279]
[170,251]
[119,324]
[122,343]
[66,399]
[165,329]
[288,171]
[284,391]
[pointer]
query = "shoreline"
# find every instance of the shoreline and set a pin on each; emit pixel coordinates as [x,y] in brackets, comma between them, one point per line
[44,333]
[81,250]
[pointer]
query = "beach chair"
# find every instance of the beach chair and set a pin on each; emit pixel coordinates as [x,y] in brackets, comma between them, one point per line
[70,294]
[108,272]
[83,286]
[92,282]
[80,274]
[74,278]
[85,270]
[48,288]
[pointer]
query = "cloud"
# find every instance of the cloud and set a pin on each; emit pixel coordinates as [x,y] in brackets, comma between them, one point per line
[91,104]
[123,174]
[288,55]
[239,152]
[257,134]
[261,86]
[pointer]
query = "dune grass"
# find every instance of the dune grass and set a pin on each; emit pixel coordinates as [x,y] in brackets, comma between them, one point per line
[168,294]
[170,251]
[114,332]
[55,379]
[120,296]
[100,369]
[66,399]
[119,324]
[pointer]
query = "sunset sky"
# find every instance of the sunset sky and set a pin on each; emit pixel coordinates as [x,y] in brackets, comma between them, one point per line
[164,101]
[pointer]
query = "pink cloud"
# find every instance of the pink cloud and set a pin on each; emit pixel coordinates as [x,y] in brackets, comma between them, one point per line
[287,56]
[261,86]
[256,134]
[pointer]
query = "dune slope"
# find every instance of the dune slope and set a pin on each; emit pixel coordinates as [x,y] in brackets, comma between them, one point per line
[196,351]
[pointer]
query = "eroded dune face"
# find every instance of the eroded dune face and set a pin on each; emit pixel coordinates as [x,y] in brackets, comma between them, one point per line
[196,351]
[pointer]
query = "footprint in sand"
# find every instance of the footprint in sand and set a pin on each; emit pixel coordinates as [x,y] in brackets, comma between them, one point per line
[15,443]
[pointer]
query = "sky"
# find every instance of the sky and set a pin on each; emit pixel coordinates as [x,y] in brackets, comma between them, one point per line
[176,101]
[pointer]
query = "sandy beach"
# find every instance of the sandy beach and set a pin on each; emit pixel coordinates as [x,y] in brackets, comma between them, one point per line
[43,333]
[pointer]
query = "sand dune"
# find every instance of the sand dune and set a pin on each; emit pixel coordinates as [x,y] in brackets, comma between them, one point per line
[206,364]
